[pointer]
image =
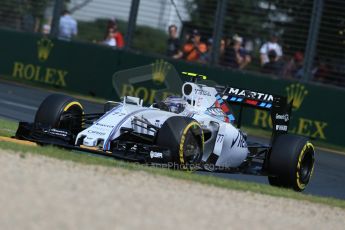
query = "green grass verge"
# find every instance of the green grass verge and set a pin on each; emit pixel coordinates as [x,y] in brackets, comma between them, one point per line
[7,128]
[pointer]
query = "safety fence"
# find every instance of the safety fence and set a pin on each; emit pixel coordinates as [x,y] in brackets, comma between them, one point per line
[295,39]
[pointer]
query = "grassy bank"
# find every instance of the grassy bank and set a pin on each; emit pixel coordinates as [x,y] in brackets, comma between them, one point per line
[7,128]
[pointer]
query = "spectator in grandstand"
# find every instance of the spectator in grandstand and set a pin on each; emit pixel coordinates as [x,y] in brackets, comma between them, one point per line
[68,26]
[46,29]
[223,47]
[273,66]
[322,71]
[268,46]
[174,44]
[109,40]
[194,48]
[235,56]
[206,57]
[187,37]
[294,67]
[120,42]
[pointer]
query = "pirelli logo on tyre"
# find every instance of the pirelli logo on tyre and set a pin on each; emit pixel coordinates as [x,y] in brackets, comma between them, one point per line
[300,178]
[189,127]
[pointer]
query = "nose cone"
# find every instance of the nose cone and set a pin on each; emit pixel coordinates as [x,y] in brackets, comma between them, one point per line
[90,141]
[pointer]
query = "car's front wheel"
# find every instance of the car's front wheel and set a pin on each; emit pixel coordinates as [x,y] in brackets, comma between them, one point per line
[60,111]
[184,137]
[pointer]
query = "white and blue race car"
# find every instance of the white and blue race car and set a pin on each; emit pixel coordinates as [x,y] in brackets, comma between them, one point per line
[196,130]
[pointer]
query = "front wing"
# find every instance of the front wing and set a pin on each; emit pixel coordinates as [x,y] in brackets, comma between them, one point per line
[123,150]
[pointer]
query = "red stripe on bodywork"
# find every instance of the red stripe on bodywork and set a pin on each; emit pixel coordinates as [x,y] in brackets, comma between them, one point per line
[224,108]
[251,102]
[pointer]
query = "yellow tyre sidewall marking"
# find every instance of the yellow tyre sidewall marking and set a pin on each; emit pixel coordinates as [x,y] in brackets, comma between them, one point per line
[69,105]
[183,138]
[301,155]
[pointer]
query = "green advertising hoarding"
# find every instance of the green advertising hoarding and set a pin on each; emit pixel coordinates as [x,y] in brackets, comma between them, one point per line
[318,111]
[70,66]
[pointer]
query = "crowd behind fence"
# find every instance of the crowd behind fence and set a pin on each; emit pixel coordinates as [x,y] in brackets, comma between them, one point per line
[299,39]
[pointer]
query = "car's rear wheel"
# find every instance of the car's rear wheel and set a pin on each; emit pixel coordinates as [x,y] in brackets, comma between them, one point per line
[184,137]
[291,162]
[61,112]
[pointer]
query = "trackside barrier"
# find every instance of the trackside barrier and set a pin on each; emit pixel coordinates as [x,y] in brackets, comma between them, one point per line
[318,111]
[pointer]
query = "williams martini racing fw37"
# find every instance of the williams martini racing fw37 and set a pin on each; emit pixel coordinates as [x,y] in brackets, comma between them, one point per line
[197,129]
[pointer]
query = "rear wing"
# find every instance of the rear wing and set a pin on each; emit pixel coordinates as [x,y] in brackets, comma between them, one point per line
[278,106]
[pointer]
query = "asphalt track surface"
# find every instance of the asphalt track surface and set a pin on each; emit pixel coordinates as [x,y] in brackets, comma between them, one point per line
[18,102]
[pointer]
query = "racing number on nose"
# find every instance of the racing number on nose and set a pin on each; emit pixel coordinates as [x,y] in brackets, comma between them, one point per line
[220,138]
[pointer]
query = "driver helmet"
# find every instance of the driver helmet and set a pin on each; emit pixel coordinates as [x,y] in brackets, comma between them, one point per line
[175,104]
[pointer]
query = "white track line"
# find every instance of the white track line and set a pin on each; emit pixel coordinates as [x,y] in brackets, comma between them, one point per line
[18,105]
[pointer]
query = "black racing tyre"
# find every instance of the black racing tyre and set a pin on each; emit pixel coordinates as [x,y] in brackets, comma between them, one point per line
[275,181]
[60,111]
[291,162]
[184,137]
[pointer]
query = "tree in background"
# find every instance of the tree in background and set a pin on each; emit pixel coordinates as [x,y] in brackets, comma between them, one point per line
[10,13]
[22,14]
[78,5]
[36,9]
[28,15]
[294,31]
[242,16]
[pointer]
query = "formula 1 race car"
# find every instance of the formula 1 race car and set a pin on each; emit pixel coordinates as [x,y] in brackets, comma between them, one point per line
[196,130]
